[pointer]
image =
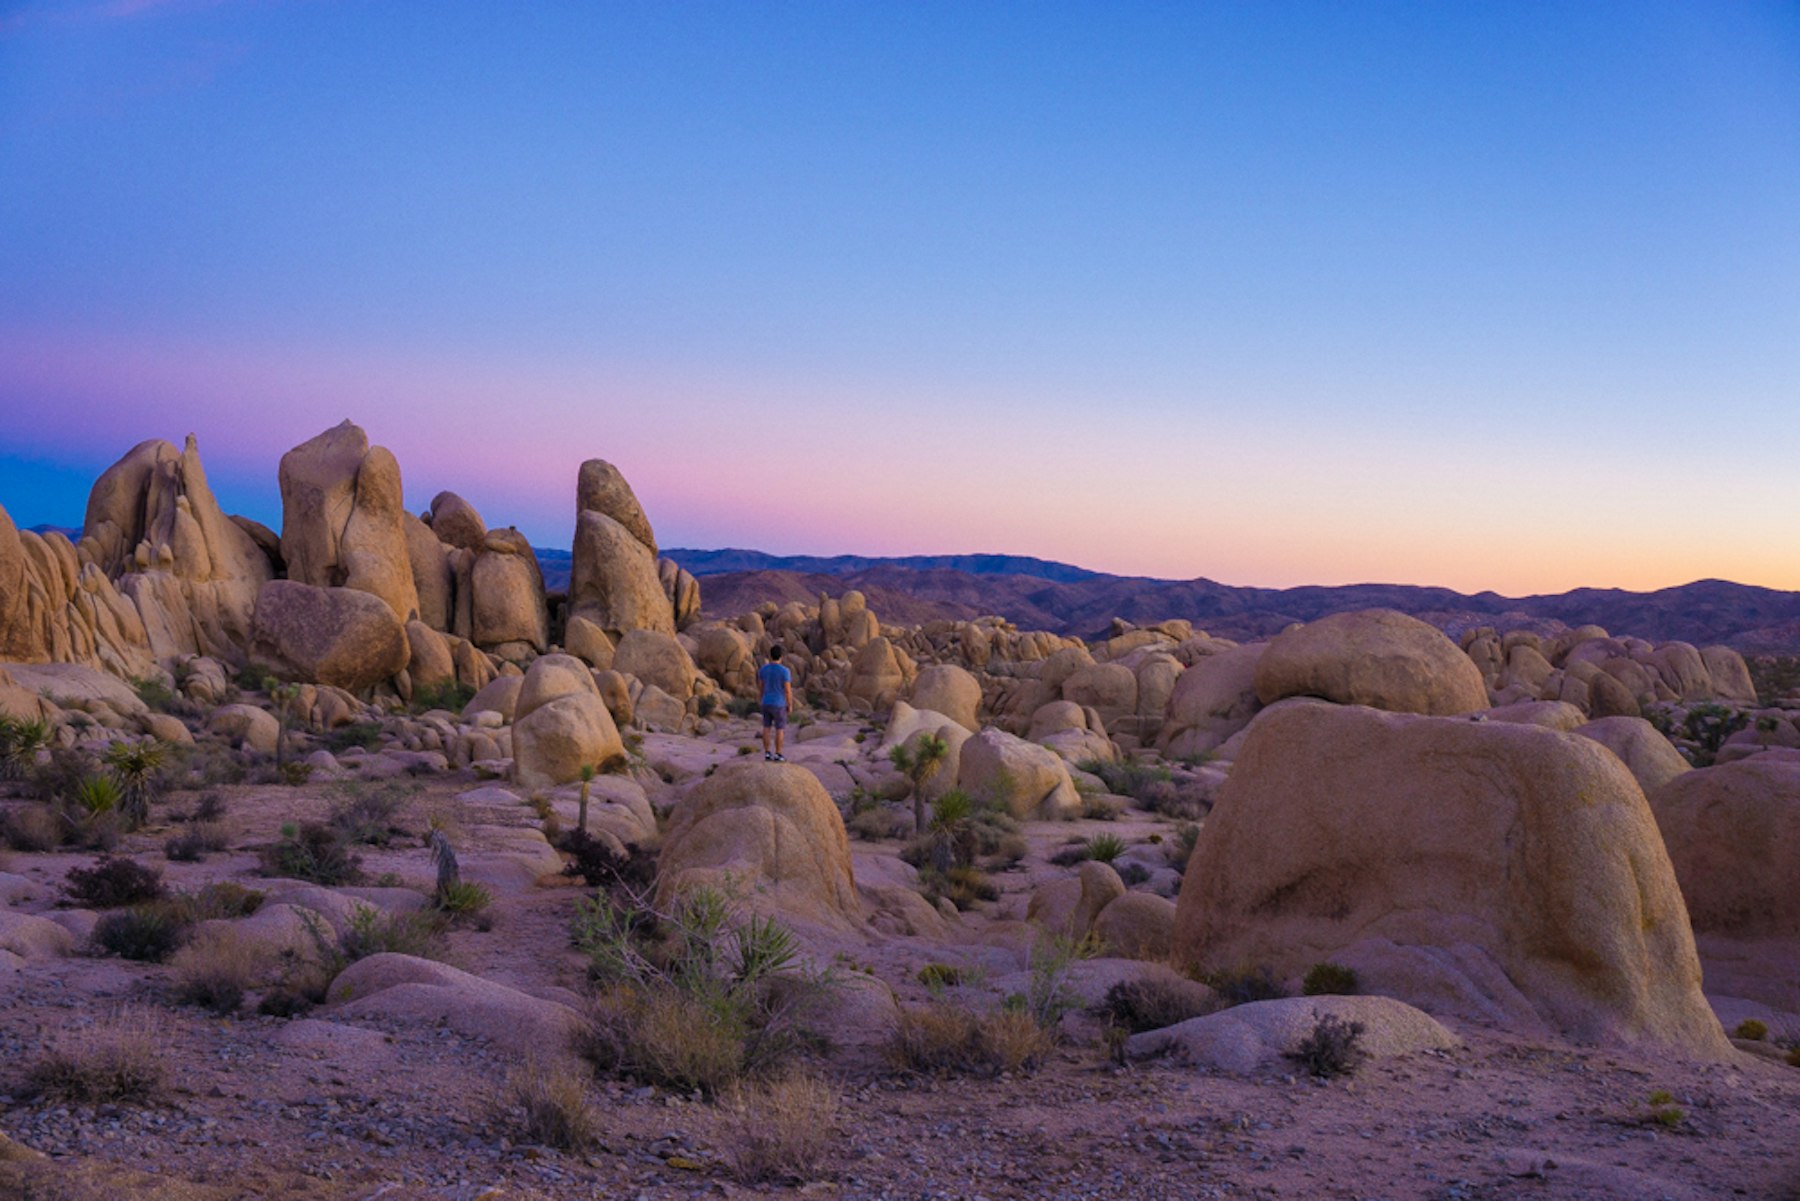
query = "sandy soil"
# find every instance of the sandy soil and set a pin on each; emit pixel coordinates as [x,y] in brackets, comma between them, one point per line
[331,1107]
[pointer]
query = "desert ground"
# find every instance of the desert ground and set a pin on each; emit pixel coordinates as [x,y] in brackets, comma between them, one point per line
[349,861]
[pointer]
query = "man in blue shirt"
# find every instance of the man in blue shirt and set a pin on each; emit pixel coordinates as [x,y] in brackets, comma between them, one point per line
[777,698]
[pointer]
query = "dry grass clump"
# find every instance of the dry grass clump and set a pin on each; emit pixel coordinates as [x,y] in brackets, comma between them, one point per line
[32,828]
[1334,1048]
[1152,1004]
[943,1039]
[216,968]
[664,1036]
[119,1059]
[779,1129]
[549,1103]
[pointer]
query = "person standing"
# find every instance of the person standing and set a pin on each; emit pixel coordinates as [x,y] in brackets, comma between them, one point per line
[777,698]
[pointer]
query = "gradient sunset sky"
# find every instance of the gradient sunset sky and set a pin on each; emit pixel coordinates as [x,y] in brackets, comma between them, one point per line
[1483,295]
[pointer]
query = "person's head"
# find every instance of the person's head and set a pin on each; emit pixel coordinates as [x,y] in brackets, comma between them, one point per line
[775,653]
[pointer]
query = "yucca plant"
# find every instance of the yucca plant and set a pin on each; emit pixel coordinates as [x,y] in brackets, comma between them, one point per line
[1104,848]
[97,794]
[136,767]
[20,741]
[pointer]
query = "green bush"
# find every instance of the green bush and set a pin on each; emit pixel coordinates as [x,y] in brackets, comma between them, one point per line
[20,742]
[1751,1030]
[312,852]
[686,1000]
[1241,986]
[363,734]
[1333,1048]
[1329,979]
[146,933]
[111,881]
[449,695]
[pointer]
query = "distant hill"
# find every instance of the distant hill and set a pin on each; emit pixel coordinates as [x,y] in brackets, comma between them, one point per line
[1037,594]
[719,562]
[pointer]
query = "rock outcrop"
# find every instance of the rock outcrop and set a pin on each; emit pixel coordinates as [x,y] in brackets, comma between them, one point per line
[343,518]
[767,833]
[561,725]
[614,581]
[344,637]
[1506,872]
[1373,657]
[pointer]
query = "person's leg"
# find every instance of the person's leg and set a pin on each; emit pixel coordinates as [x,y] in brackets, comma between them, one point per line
[780,714]
[768,724]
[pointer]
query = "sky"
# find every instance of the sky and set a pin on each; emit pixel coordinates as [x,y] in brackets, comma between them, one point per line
[1485,295]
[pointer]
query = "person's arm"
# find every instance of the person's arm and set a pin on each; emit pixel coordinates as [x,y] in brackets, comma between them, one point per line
[789,685]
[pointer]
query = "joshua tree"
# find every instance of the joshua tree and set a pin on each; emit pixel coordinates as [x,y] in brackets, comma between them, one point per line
[587,782]
[918,764]
[135,766]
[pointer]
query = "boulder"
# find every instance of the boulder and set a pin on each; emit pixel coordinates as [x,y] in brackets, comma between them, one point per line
[506,588]
[1138,925]
[589,643]
[1730,675]
[561,725]
[430,664]
[683,591]
[246,726]
[950,690]
[1028,780]
[1508,872]
[601,488]
[500,695]
[330,636]
[613,581]
[725,654]
[767,833]
[878,675]
[433,578]
[341,518]
[1651,758]
[1260,1036]
[1211,701]
[1733,834]
[1374,657]
[1108,688]
[656,658]
[423,992]
[455,522]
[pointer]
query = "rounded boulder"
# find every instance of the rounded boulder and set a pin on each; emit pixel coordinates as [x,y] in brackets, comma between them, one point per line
[1373,657]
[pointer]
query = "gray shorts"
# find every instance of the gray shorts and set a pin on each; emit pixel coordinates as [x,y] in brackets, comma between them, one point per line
[774,717]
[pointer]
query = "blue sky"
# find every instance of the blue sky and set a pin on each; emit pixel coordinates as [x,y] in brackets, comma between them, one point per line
[1483,295]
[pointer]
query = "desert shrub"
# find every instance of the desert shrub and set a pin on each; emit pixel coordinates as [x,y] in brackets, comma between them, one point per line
[1242,985]
[224,899]
[942,1038]
[1180,849]
[687,1000]
[1663,1111]
[1751,1030]
[1048,994]
[145,933]
[159,697]
[210,764]
[1333,1048]
[963,887]
[451,695]
[97,795]
[938,976]
[111,881]
[631,874]
[879,823]
[370,931]
[463,899]
[1172,798]
[742,706]
[363,734]
[364,813]
[216,968]
[196,842]
[961,829]
[548,1103]
[1329,979]
[706,704]
[779,1129]
[1133,874]
[58,778]
[1070,853]
[312,852]
[1793,1057]
[1127,777]
[210,807]
[117,1060]
[32,828]
[1100,808]
[1150,1004]
[1009,850]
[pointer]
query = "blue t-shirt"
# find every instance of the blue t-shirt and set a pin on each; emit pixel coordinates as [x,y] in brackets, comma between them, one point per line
[774,677]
